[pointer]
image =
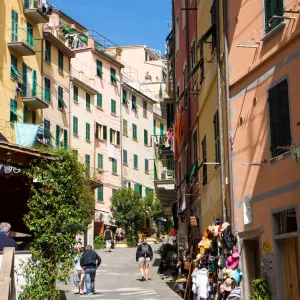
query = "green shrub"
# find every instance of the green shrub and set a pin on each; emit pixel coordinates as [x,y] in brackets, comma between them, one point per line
[99,242]
[260,290]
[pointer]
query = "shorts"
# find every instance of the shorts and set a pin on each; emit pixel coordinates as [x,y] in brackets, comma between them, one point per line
[108,243]
[144,260]
[173,238]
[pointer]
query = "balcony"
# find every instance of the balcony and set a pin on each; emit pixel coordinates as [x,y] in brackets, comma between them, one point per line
[163,145]
[164,181]
[95,176]
[79,78]
[33,96]
[44,138]
[22,42]
[34,12]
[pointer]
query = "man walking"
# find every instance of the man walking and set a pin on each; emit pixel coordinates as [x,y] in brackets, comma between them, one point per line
[89,262]
[108,236]
[144,255]
[5,240]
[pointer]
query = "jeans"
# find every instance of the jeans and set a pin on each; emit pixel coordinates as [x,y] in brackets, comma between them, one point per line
[90,275]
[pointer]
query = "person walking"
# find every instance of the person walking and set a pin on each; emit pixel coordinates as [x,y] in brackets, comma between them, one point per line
[79,272]
[89,262]
[108,236]
[144,256]
[5,240]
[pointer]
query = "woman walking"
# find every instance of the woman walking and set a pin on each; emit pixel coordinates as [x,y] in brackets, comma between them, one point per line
[79,272]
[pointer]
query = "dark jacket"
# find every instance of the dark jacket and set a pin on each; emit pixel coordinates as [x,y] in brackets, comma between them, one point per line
[6,241]
[139,251]
[90,259]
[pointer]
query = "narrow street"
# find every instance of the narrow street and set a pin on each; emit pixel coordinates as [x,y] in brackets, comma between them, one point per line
[118,277]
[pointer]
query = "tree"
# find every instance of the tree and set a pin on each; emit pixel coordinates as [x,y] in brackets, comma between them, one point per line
[152,207]
[61,205]
[127,211]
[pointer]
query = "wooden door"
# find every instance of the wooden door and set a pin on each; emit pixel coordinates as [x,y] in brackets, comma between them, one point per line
[290,252]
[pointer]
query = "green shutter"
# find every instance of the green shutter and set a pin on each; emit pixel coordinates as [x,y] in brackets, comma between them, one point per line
[14,26]
[25,114]
[100,194]
[114,166]
[99,68]
[113,109]
[14,73]
[133,102]
[34,83]
[125,127]
[65,139]
[48,52]
[135,161]
[125,161]
[47,92]
[134,131]
[145,137]
[100,161]
[47,132]
[24,77]
[61,102]
[99,100]
[87,131]
[118,137]
[136,187]
[154,127]
[88,101]
[75,93]
[87,165]
[75,125]
[140,190]
[57,136]
[162,132]
[104,128]
[146,165]
[29,37]
[60,61]
[111,135]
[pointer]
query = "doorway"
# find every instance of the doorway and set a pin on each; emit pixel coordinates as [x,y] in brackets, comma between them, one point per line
[290,257]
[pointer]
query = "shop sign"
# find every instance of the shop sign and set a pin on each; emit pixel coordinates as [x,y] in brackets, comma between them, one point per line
[267,247]
[193,221]
[6,169]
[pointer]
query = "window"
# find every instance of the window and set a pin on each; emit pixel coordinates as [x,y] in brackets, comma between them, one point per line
[48,52]
[87,132]
[125,127]
[47,92]
[204,160]
[114,137]
[213,16]
[144,109]
[75,153]
[113,107]
[113,191]
[88,101]
[273,8]
[29,35]
[134,131]
[60,62]
[99,100]
[100,194]
[145,137]
[34,82]
[99,68]
[138,188]
[33,117]
[170,114]
[65,139]
[101,132]
[114,166]
[124,97]
[75,93]
[14,73]
[195,146]
[87,165]
[133,102]
[279,114]
[146,165]
[125,158]
[47,132]
[13,111]
[14,26]
[113,77]
[162,131]
[217,137]
[154,127]
[135,161]
[100,161]
[61,103]
[75,125]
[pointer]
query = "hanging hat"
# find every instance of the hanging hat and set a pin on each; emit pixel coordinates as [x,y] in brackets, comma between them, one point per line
[201,243]
[225,225]
[216,221]
[199,257]
[222,261]
[235,252]
[232,262]
[207,243]
[237,275]
[228,285]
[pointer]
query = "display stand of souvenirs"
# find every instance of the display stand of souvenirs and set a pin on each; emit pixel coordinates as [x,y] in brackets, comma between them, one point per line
[215,273]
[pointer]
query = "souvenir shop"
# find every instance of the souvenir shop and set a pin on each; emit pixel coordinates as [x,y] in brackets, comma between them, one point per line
[214,272]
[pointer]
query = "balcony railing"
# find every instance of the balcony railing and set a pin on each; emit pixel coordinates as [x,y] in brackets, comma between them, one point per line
[95,176]
[83,78]
[45,137]
[22,41]
[35,12]
[164,169]
[35,97]
[163,145]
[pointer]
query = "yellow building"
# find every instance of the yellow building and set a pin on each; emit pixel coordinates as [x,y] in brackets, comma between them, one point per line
[21,86]
[212,120]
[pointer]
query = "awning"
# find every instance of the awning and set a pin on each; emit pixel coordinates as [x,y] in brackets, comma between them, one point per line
[15,113]
[62,103]
[195,68]
[194,170]
[179,98]
[15,71]
[113,77]
[83,39]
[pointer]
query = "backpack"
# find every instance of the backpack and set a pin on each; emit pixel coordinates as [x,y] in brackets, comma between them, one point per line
[145,252]
[235,294]
[228,239]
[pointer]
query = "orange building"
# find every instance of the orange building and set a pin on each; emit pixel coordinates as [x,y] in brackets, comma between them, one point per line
[264,63]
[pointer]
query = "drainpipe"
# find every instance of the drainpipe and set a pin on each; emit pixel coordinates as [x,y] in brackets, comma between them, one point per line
[220,113]
[226,76]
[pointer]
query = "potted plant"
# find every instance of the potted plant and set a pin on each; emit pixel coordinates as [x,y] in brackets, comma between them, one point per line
[260,290]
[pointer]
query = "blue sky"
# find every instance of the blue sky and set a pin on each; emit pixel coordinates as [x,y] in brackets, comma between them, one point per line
[124,22]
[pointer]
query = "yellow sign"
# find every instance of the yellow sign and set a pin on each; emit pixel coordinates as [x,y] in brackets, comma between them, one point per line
[267,246]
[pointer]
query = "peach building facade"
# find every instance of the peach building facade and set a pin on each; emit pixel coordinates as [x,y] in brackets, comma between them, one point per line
[264,59]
